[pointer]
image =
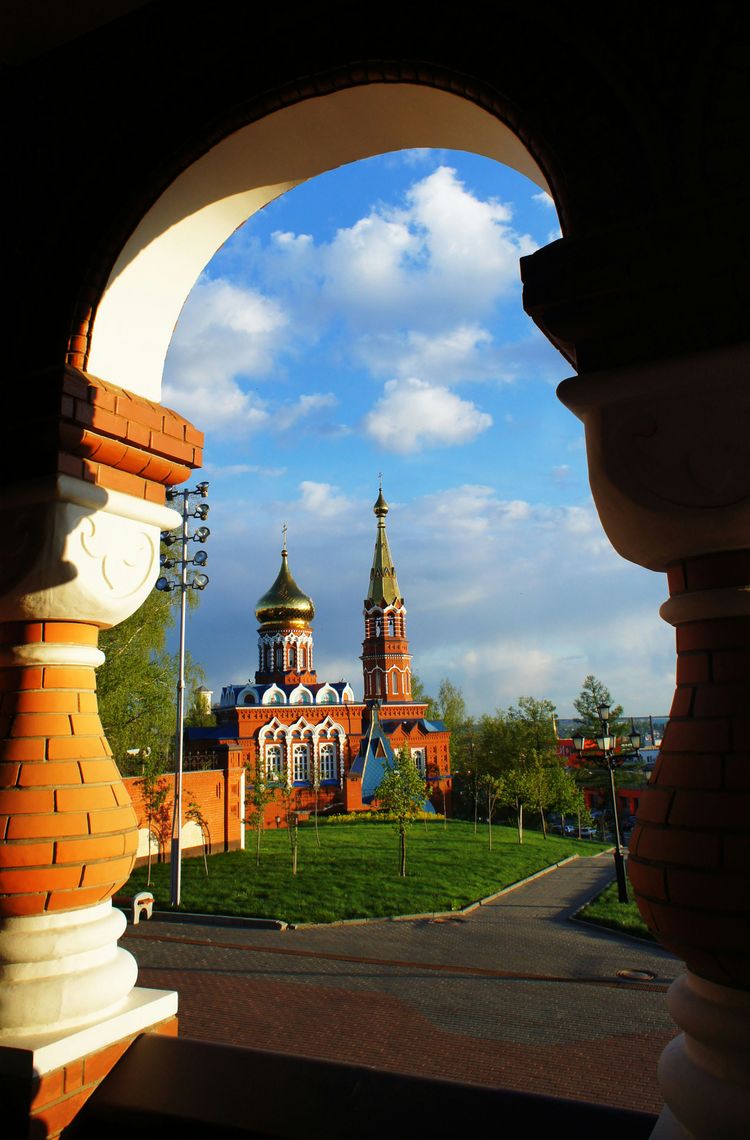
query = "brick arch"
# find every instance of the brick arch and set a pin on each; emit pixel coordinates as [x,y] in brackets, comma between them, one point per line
[124,334]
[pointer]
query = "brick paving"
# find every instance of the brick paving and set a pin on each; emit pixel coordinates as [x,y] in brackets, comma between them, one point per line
[513,995]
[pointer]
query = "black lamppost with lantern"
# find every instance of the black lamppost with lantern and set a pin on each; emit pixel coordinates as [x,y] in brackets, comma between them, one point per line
[607,756]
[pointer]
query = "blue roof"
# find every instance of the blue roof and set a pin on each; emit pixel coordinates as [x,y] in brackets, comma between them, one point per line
[374,757]
[407,725]
[209,732]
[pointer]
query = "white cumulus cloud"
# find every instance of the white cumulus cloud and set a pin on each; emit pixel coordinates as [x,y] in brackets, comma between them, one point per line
[413,414]
[226,334]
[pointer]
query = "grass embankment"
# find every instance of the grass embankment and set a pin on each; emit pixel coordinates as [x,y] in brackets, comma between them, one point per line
[607,910]
[354,872]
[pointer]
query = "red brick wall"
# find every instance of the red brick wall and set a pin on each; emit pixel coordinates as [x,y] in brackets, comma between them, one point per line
[217,794]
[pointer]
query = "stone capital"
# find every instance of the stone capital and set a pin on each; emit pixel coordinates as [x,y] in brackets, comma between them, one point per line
[78,552]
[667,454]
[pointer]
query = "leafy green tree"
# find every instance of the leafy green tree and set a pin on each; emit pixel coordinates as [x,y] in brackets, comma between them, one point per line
[533,722]
[423,698]
[566,797]
[199,715]
[451,705]
[516,791]
[593,694]
[402,791]
[137,684]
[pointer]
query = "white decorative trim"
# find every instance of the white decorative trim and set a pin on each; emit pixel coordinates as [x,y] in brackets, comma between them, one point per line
[142,1009]
[50,653]
[62,970]
[273,689]
[301,689]
[68,489]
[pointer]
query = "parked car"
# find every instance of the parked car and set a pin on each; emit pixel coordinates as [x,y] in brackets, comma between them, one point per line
[589,833]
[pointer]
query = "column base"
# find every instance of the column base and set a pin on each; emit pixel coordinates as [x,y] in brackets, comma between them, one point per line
[63,970]
[47,1078]
[705,1072]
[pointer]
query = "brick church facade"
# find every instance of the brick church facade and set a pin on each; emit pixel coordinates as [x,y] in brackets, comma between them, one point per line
[312,736]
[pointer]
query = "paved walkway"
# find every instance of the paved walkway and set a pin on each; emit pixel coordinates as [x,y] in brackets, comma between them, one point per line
[513,995]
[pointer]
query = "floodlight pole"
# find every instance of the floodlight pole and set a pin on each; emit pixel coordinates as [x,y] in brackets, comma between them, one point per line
[199,581]
[176,853]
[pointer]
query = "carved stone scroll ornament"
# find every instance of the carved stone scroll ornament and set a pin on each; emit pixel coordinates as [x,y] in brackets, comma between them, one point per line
[93,554]
[667,447]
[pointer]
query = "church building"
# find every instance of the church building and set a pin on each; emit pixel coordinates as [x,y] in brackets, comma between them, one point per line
[299,732]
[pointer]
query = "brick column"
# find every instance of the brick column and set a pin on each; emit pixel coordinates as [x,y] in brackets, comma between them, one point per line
[85,509]
[690,850]
[667,453]
[69,833]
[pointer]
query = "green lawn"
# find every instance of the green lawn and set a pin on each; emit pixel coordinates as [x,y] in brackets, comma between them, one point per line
[354,873]
[606,910]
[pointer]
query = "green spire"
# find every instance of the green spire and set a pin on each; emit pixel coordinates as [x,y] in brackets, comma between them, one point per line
[383,586]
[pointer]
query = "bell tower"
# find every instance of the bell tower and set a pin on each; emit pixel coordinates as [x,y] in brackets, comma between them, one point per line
[385,649]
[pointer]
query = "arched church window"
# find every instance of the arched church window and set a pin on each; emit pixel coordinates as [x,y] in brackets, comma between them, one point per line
[328,761]
[273,762]
[395,682]
[303,656]
[301,763]
[391,627]
[292,658]
[419,756]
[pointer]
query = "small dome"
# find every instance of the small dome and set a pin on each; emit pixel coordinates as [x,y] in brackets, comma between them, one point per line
[285,603]
[381,507]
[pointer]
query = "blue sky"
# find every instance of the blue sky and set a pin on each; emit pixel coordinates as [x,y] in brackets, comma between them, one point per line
[370,321]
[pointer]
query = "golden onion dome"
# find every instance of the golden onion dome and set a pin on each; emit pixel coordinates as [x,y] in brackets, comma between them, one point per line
[285,603]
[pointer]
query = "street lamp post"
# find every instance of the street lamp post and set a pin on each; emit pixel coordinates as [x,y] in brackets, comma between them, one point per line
[608,757]
[197,581]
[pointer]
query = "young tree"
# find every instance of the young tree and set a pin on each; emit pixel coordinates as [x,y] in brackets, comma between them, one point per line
[195,814]
[402,791]
[493,788]
[516,790]
[154,789]
[565,796]
[288,796]
[261,793]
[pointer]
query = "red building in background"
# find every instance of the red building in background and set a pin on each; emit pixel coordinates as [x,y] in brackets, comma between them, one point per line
[312,735]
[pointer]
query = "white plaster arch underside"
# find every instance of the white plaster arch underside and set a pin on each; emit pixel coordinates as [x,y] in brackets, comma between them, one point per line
[179,235]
